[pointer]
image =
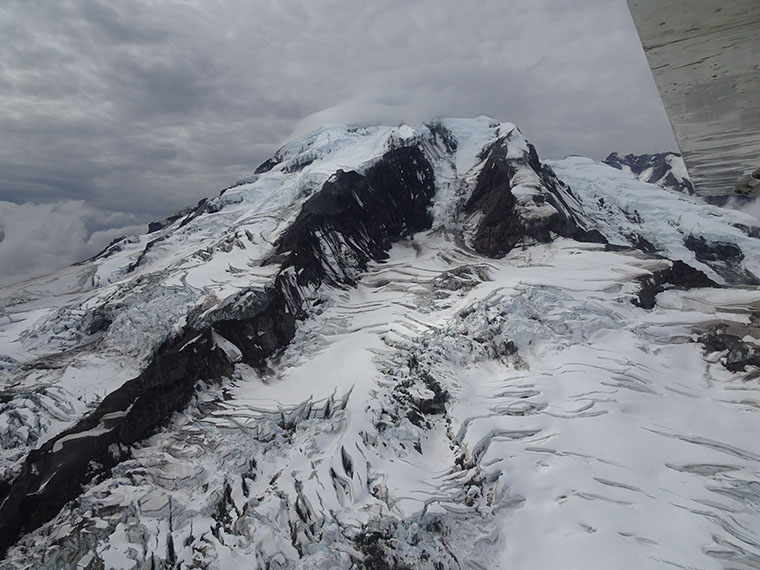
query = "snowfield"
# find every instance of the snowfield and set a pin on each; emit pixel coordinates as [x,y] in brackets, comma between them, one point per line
[437,406]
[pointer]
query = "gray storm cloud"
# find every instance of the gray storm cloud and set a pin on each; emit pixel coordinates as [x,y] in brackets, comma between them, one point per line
[40,237]
[146,107]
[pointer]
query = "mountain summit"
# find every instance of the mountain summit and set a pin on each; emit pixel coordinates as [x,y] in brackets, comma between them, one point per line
[393,347]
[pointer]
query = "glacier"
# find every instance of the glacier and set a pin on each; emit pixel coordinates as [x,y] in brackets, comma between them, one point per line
[394,347]
[666,169]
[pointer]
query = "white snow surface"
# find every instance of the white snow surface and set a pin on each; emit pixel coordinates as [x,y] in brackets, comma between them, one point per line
[619,206]
[565,427]
[676,167]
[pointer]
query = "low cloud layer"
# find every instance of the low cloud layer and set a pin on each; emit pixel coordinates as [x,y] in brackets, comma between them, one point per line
[39,238]
[145,107]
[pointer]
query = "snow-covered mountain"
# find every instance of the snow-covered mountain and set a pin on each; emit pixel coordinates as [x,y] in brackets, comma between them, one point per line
[394,347]
[666,169]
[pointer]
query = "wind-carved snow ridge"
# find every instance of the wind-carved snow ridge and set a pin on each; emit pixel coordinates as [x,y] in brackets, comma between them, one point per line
[328,380]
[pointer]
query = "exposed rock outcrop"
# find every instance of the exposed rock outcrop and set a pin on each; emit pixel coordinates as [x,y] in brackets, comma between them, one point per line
[354,218]
[665,169]
[724,257]
[518,199]
[678,275]
[738,352]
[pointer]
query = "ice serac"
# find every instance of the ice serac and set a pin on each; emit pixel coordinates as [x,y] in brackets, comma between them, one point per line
[352,220]
[393,347]
[55,473]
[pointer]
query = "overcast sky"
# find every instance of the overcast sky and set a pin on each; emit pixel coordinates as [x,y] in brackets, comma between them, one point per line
[133,109]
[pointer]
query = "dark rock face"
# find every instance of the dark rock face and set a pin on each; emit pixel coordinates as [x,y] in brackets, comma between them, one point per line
[739,354]
[636,242]
[195,212]
[679,275]
[660,169]
[107,251]
[706,251]
[751,231]
[502,226]
[731,201]
[156,225]
[55,473]
[443,136]
[353,219]
[725,258]
[145,251]
[267,165]
[271,329]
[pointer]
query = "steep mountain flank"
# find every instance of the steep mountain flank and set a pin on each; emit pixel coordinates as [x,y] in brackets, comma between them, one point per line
[393,347]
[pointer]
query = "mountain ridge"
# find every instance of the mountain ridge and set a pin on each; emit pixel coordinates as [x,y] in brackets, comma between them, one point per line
[229,294]
[666,169]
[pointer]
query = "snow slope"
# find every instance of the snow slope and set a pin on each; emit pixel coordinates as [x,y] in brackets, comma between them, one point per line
[442,403]
[666,169]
